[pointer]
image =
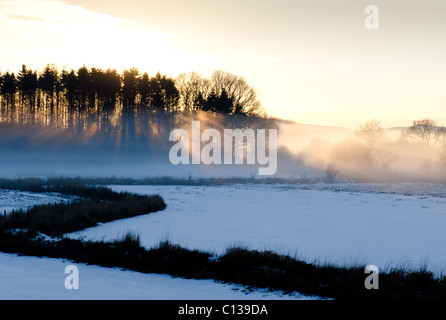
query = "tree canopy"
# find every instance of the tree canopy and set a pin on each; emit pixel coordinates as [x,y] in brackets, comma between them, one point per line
[51,94]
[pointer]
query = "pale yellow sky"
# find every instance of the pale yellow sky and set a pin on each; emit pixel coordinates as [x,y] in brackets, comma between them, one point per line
[312,61]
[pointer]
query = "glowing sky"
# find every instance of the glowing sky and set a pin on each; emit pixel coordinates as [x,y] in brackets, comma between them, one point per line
[312,61]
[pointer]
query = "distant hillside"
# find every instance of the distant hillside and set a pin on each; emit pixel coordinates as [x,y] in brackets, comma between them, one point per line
[297,135]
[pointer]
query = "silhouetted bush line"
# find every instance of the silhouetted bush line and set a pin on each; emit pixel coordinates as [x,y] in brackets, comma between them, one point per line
[250,268]
[61,218]
[269,269]
[217,181]
[97,205]
[66,186]
[81,185]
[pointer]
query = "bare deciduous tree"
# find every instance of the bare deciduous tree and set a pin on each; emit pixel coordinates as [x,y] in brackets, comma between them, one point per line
[189,86]
[244,97]
[373,136]
[426,131]
[330,173]
[372,133]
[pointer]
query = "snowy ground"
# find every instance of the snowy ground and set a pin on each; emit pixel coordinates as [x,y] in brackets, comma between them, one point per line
[318,225]
[385,225]
[43,278]
[15,200]
[33,278]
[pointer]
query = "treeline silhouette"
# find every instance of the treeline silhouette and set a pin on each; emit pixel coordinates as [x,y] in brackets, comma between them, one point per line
[106,100]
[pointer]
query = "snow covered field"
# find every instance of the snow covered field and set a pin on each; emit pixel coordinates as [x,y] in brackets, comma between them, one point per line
[15,200]
[385,225]
[318,224]
[33,278]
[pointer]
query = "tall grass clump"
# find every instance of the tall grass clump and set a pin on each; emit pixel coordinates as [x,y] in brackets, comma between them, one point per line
[103,205]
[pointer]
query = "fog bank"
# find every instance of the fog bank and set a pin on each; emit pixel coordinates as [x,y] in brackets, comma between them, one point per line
[304,152]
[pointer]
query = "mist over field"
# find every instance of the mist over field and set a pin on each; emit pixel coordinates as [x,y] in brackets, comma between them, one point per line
[304,151]
[36,150]
[92,122]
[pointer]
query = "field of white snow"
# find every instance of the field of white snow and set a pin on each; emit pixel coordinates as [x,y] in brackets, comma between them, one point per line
[321,224]
[31,278]
[384,225]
